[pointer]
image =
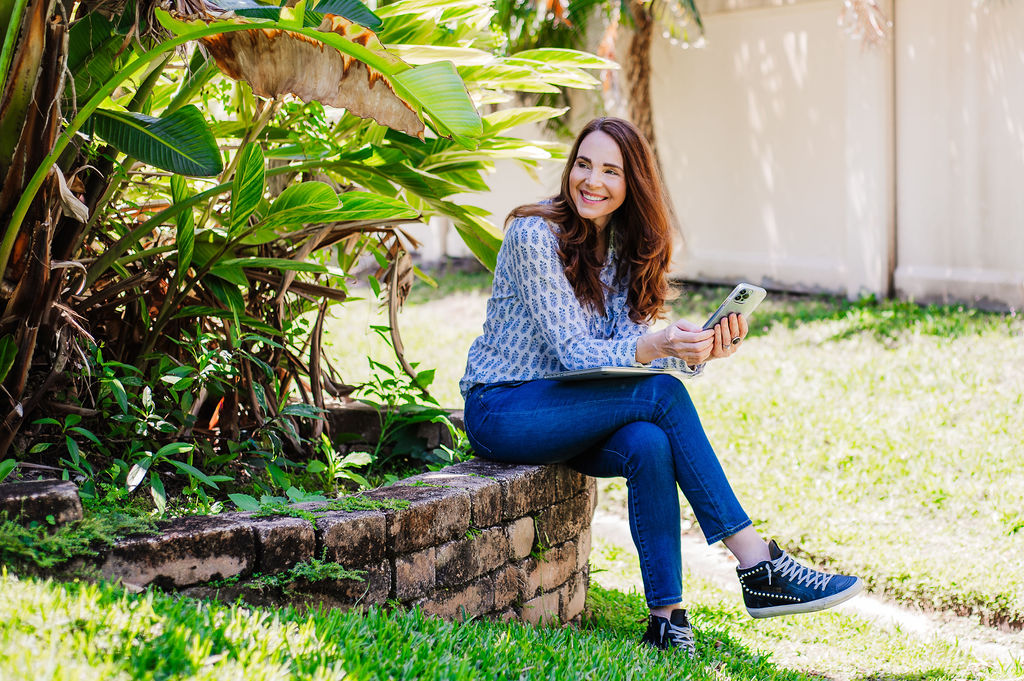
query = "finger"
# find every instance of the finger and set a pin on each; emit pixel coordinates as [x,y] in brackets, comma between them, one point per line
[744,327]
[685,325]
[695,336]
[734,328]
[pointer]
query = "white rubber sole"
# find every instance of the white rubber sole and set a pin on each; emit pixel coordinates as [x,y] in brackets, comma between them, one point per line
[810,606]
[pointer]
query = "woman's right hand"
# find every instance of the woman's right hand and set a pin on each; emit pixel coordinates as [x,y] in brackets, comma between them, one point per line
[683,340]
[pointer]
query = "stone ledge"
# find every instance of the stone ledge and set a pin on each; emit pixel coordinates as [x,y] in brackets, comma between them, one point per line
[467,544]
[25,502]
[189,551]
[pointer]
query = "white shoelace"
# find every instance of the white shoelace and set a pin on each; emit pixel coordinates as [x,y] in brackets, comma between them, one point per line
[681,636]
[785,566]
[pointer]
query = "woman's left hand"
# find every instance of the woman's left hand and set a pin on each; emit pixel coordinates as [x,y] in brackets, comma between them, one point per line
[729,333]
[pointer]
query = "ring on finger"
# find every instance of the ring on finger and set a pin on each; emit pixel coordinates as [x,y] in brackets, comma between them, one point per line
[736,341]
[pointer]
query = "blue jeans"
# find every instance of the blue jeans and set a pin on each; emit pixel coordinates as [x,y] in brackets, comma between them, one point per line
[644,429]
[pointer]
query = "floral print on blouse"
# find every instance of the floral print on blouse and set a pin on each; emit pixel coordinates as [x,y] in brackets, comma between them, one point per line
[535,325]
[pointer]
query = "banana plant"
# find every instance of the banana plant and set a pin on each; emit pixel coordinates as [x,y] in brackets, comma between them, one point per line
[147,221]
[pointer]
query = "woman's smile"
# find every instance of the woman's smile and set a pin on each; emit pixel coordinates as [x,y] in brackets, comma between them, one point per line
[597,182]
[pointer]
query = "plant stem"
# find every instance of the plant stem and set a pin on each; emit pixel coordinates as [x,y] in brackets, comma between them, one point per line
[10,40]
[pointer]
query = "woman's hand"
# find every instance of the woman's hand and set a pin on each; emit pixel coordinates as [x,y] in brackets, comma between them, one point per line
[682,339]
[729,333]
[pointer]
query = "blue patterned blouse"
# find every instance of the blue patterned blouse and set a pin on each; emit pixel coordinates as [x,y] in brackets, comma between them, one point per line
[535,325]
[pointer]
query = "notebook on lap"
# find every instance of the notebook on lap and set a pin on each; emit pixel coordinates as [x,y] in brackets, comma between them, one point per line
[609,372]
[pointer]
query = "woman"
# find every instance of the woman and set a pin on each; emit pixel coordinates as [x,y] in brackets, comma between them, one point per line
[579,278]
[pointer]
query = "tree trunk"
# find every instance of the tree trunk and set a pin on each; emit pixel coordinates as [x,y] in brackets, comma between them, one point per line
[638,72]
[30,114]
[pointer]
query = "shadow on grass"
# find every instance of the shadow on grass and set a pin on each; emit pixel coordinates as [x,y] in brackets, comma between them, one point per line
[719,655]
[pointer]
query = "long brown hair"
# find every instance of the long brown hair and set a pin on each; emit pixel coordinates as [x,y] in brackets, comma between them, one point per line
[641,228]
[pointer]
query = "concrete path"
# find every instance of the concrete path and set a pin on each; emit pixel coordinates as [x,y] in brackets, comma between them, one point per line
[717,565]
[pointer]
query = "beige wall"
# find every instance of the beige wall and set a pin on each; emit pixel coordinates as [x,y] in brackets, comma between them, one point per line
[960,132]
[796,157]
[776,144]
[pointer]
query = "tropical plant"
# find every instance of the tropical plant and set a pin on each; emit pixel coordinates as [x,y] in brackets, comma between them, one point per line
[137,221]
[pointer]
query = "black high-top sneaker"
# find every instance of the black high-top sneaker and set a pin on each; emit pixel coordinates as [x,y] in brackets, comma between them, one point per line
[673,632]
[782,586]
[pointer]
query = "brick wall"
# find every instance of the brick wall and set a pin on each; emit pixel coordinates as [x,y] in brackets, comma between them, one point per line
[477,539]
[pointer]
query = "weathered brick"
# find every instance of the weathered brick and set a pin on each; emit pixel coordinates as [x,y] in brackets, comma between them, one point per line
[564,520]
[463,559]
[557,565]
[520,537]
[583,548]
[353,538]
[569,483]
[543,609]
[282,542]
[414,574]
[373,589]
[345,593]
[188,551]
[485,492]
[525,491]
[472,600]
[28,501]
[591,490]
[574,597]
[434,515]
[509,583]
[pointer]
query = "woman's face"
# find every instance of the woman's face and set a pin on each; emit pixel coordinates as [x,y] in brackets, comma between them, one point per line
[597,181]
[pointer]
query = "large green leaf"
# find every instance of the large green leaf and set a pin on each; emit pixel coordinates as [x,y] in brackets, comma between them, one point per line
[247,186]
[353,10]
[186,227]
[482,238]
[283,264]
[425,54]
[556,56]
[366,206]
[179,143]
[314,195]
[509,118]
[450,107]
[96,52]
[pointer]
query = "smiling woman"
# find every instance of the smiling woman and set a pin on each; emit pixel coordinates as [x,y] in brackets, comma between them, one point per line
[579,279]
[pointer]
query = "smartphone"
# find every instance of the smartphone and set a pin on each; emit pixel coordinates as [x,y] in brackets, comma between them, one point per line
[743,299]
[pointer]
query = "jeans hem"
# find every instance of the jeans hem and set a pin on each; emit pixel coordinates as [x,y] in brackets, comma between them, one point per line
[715,538]
[657,603]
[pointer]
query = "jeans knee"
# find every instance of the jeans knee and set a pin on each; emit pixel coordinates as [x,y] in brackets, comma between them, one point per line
[646,448]
[666,391]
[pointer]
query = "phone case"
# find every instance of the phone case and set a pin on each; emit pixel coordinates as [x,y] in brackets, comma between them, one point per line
[743,300]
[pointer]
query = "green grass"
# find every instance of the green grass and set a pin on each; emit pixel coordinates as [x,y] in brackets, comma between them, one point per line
[879,437]
[80,631]
[834,645]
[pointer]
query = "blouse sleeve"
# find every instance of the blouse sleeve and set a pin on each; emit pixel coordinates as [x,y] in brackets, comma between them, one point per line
[538,275]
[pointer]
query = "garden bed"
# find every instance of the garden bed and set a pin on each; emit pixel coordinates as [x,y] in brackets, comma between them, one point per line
[474,539]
